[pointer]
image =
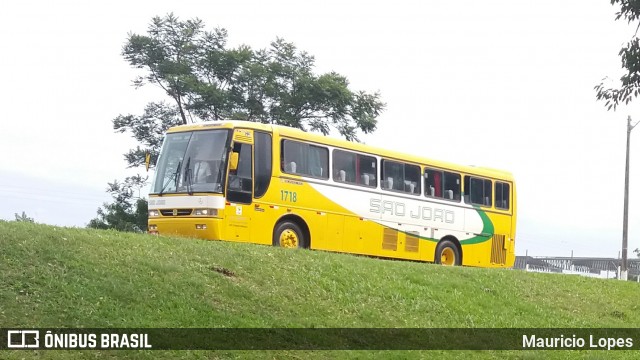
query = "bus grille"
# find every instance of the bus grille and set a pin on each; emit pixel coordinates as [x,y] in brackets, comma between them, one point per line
[412,242]
[175,212]
[390,239]
[498,252]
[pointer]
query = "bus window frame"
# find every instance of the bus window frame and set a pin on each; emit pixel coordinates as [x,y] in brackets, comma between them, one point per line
[503,183]
[468,195]
[308,143]
[404,163]
[443,172]
[357,154]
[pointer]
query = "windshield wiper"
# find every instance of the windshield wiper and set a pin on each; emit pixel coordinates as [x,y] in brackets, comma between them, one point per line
[187,177]
[173,178]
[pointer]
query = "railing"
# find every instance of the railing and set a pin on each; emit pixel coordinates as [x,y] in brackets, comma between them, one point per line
[605,268]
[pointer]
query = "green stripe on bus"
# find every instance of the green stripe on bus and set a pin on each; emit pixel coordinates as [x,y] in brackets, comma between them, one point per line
[486,234]
[487,230]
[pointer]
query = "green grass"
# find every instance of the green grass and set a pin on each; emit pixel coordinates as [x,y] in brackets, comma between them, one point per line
[63,277]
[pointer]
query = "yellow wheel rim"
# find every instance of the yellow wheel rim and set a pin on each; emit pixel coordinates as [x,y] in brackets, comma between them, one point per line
[289,239]
[447,257]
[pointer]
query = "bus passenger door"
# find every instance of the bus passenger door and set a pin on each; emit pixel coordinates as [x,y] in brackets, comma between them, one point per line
[239,210]
[264,215]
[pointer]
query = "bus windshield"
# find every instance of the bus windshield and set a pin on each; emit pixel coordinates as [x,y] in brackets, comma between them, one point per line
[192,162]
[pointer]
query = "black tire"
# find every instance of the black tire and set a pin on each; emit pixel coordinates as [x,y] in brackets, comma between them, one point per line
[291,226]
[448,247]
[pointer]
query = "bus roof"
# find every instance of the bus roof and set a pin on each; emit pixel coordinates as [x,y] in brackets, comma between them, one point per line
[348,145]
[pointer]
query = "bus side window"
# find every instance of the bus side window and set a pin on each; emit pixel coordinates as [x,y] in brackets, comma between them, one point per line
[366,174]
[305,159]
[433,183]
[487,192]
[467,189]
[292,155]
[401,177]
[477,191]
[502,195]
[391,175]
[412,179]
[318,161]
[452,186]
[344,166]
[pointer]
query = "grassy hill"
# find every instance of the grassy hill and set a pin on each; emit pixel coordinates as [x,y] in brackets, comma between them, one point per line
[62,277]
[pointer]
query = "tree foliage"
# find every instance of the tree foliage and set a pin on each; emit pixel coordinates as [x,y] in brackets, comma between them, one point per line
[128,212]
[205,79]
[630,57]
[148,129]
[23,217]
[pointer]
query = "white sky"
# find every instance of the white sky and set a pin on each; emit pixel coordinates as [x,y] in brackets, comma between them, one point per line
[499,83]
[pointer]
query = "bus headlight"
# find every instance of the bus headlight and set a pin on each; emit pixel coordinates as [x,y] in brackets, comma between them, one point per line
[206,212]
[154,213]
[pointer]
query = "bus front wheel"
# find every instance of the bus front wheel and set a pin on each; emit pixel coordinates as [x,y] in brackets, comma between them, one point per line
[447,253]
[288,235]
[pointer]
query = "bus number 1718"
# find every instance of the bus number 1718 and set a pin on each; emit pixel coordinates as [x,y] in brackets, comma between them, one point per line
[286,195]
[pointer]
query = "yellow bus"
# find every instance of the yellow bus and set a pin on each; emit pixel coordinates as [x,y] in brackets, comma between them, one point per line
[275,185]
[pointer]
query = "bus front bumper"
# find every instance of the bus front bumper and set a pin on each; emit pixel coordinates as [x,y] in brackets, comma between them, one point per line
[201,228]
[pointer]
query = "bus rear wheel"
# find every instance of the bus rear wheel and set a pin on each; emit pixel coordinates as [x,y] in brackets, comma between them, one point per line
[288,234]
[447,253]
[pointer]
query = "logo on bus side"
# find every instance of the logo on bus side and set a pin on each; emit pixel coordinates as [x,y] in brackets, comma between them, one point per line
[419,212]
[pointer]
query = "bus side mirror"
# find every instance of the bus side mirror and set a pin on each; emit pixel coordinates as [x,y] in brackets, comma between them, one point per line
[233,161]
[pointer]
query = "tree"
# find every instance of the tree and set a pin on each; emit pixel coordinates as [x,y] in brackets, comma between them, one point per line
[23,218]
[127,212]
[205,80]
[278,86]
[630,56]
[148,129]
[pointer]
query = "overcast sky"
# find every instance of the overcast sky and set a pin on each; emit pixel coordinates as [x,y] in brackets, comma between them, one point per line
[505,84]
